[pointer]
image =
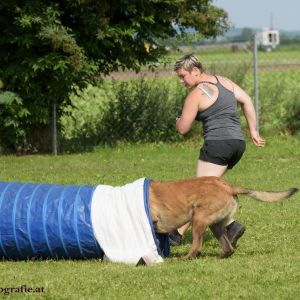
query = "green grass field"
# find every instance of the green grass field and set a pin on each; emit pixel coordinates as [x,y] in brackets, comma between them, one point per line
[266,264]
[284,55]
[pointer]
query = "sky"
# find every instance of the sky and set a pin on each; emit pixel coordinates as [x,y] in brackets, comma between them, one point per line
[282,14]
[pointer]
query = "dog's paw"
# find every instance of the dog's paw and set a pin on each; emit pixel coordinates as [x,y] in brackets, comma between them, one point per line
[186,257]
[191,256]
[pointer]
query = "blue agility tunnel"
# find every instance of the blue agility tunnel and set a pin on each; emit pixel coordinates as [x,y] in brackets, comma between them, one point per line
[46,221]
[51,221]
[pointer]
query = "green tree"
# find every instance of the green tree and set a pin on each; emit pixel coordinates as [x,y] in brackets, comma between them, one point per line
[47,48]
[247,34]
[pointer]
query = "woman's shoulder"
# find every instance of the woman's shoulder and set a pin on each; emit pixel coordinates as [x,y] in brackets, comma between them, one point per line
[195,93]
[226,82]
[223,78]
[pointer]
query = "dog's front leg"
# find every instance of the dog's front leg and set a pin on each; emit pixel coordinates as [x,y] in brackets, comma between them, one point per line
[198,229]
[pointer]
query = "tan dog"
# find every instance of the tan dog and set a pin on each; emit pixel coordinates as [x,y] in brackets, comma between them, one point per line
[204,201]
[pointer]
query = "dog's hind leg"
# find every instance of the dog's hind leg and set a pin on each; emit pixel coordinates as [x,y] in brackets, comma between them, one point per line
[219,232]
[198,229]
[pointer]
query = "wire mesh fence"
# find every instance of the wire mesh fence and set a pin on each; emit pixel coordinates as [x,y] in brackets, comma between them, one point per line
[130,107]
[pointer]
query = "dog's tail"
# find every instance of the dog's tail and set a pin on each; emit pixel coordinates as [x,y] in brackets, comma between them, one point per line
[264,196]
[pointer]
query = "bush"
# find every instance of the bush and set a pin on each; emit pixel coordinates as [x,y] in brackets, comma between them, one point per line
[292,123]
[12,120]
[279,101]
[141,110]
[144,110]
[80,121]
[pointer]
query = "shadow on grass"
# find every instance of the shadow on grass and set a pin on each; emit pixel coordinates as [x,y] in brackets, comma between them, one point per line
[187,238]
[180,251]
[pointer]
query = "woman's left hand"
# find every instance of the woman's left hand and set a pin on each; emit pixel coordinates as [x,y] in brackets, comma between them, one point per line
[257,139]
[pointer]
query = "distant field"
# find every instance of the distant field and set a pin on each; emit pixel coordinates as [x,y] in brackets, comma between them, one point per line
[266,262]
[282,59]
[219,54]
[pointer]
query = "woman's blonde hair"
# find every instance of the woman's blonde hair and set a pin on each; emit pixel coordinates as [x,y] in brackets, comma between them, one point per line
[188,62]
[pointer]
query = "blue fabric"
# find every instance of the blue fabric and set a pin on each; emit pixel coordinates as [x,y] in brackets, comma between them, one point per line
[161,239]
[54,221]
[46,221]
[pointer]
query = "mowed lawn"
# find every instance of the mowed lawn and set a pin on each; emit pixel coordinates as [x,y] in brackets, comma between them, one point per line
[266,264]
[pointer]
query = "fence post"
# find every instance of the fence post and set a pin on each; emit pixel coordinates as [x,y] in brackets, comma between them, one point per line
[255,81]
[54,129]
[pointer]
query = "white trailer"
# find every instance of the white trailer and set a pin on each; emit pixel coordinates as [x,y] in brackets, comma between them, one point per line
[267,39]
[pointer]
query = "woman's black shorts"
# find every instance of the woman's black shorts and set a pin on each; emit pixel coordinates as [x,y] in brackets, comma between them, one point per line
[223,152]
